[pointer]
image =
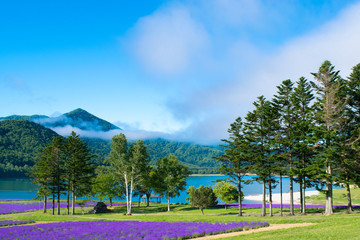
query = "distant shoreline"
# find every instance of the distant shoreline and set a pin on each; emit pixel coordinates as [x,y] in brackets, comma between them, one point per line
[276,197]
[207,175]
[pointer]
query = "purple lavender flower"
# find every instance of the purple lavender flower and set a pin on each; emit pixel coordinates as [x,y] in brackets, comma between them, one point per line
[122,230]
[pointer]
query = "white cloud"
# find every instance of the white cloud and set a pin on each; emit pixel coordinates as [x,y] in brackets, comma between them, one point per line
[236,69]
[336,41]
[66,131]
[167,41]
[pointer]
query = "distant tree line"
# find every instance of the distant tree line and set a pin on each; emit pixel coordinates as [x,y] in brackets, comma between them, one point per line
[308,131]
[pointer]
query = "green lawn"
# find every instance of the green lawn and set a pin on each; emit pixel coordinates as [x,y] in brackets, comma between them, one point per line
[339,196]
[338,226]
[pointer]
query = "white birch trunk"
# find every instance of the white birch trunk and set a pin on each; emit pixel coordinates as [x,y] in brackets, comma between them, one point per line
[126,192]
[130,194]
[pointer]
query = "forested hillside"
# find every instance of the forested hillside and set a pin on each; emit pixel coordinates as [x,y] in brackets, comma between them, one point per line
[197,157]
[20,141]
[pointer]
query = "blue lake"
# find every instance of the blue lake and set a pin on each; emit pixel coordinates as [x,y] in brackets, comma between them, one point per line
[23,189]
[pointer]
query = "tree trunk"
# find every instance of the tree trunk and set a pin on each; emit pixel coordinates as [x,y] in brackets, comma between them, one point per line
[68,202]
[58,202]
[110,199]
[264,201]
[130,194]
[139,201]
[281,196]
[329,197]
[73,200]
[301,195]
[45,203]
[126,193]
[148,199]
[270,197]
[291,189]
[202,211]
[168,197]
[239,196]
[225,207]
[304,197]
[53,204]
[350,209]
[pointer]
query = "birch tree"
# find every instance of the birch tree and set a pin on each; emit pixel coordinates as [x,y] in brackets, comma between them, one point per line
[128,164]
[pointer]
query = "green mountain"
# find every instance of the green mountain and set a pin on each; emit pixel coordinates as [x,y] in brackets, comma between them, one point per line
[22,137]
[24,117]
[79,118]
[20,142]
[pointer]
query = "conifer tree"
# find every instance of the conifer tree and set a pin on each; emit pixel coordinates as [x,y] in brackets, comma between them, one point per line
[330,108]
[285,108]
[78,168]
[260,130]
[236,159]
[348,160]
[48,172]
[304,141]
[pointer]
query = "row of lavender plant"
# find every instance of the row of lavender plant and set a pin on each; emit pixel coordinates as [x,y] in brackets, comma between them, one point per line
[123,230]
[17,207]
[4,223]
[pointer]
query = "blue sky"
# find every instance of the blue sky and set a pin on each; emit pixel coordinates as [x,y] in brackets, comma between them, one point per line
[183,70]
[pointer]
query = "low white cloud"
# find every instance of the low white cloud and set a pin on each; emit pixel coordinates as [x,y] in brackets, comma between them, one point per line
[66,131]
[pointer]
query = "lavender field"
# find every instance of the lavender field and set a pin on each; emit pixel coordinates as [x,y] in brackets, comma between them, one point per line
[123,230]
[16,207]
[12,222]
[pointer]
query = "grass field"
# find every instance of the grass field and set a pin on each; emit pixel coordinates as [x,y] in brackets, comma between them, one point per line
[338,226]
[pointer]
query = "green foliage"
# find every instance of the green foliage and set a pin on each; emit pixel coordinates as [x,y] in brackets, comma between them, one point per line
[106,186]
[226,192]
[20,143]
[171,177]
[202,197]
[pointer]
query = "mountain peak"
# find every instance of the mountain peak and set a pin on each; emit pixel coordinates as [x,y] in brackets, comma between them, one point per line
[78,118]
[86,121]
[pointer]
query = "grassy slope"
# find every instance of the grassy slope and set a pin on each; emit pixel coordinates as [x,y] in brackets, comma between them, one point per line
[339,196]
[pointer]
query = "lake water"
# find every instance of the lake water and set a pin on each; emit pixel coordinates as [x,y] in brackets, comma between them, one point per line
[23,189]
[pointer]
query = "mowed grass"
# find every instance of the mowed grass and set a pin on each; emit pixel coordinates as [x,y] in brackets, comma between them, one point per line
[339,197]
[337,226]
